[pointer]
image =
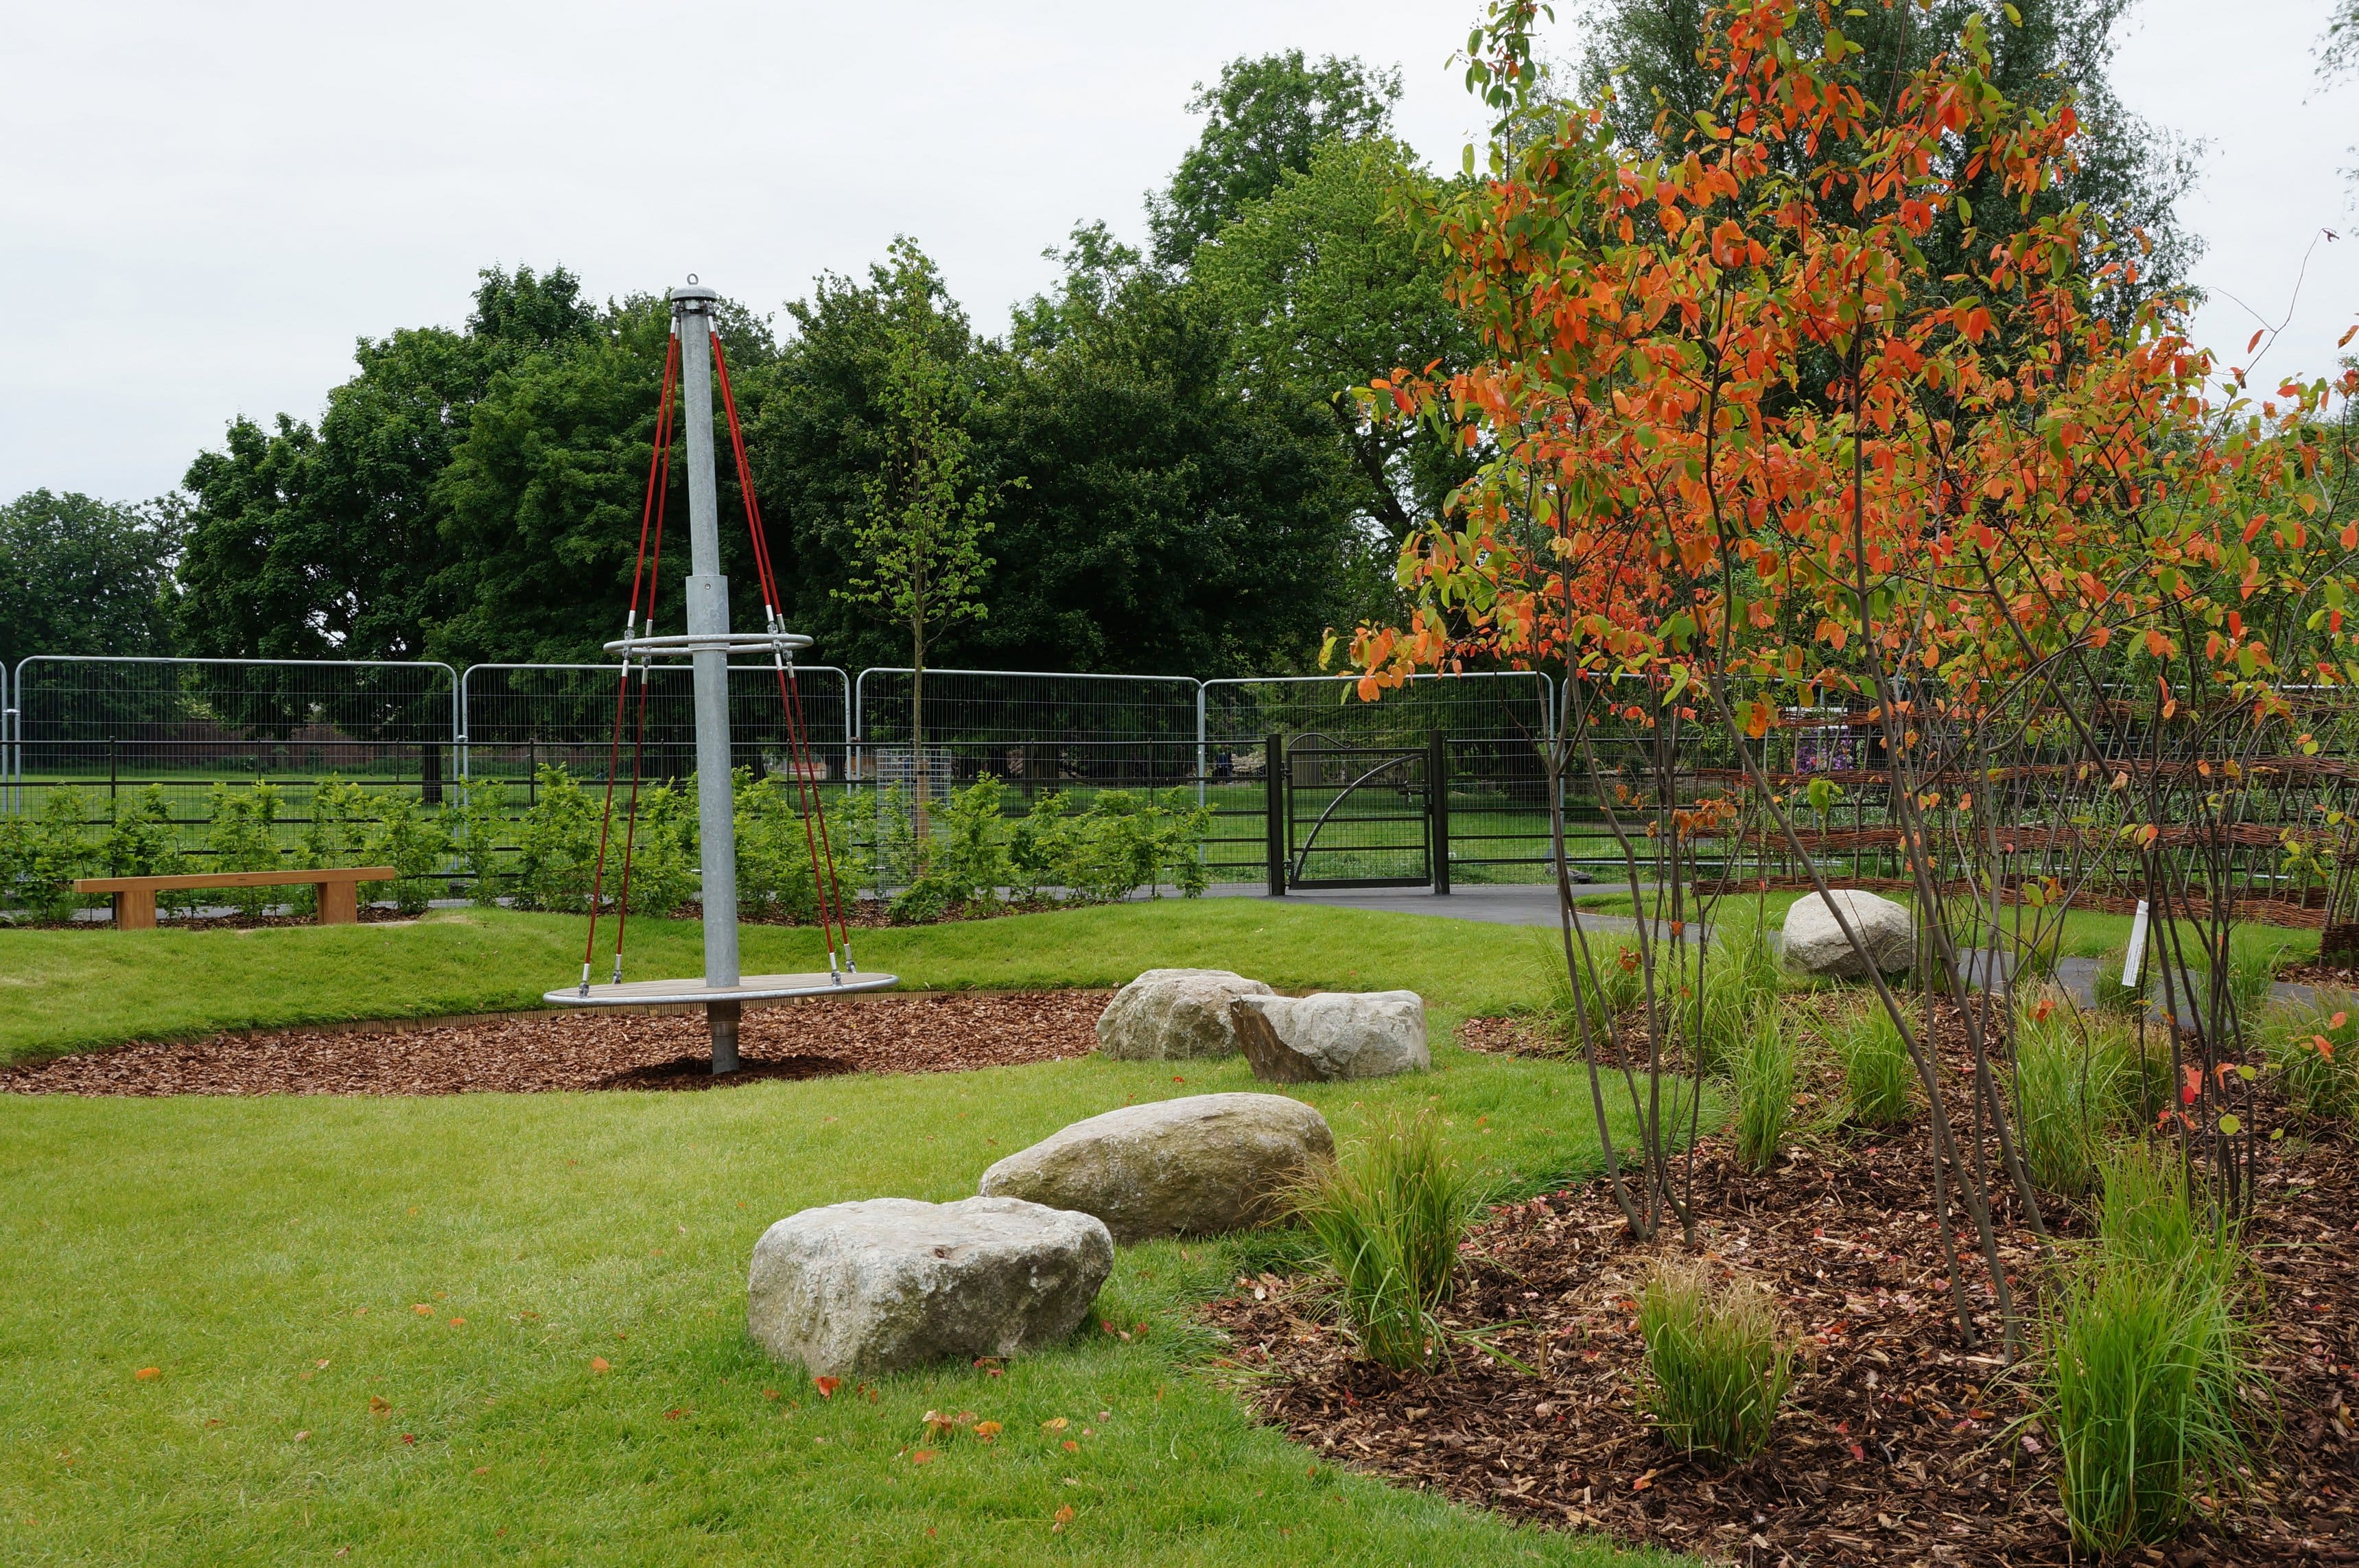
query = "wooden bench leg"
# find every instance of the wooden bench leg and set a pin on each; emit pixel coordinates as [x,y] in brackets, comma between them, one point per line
[135,909]
[339,903]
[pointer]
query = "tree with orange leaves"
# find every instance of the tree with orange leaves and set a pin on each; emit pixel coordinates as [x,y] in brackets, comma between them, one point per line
[1746,454]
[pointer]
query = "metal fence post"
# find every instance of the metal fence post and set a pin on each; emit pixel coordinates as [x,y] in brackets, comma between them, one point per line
[1437,795]
[1273,769]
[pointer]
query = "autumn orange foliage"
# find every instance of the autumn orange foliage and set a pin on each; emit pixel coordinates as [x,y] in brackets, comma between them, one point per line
[1738,428]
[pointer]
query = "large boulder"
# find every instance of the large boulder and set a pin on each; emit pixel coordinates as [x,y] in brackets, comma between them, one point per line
[1334,1034]
[1815,945]
[1174,1014]
[1195,1166]
[891,1282]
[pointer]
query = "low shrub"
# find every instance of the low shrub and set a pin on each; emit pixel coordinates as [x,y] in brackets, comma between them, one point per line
[1123,840]
[651,866]
[557,844]
[1877,1072]
[1717,1360]
[2316,1056]
[244,838]
[482,813]
[775,851]
[41,854]
[336,834]
[415,844]
[1388,1217]
[1764,1068]
[2147,1360]
[144,841]
[1129,839]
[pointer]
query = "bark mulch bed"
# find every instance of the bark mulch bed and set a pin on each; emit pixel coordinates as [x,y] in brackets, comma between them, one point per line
[2313,972]
[1897,1445]
[936,1032]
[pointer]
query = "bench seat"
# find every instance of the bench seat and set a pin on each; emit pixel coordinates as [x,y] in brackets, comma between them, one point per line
[135,897]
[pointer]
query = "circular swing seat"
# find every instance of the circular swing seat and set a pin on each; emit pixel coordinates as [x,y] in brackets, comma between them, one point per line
[750,988]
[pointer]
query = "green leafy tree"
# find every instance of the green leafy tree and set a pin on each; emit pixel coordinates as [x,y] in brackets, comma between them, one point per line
[1325,286]
[1263,121]
[2045,53]
[81,575]
[917,537]
[543,497]
[1168,523]
[335,541]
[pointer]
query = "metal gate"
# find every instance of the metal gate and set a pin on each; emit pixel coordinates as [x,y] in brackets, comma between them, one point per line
[1358,816]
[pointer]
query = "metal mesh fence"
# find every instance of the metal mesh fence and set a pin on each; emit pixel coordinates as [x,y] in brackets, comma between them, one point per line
[97,730]
[1034,730]
[1491,726]
[520,718]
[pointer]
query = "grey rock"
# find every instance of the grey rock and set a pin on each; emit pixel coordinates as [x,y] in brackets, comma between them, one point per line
[1330,1035]
[1814,944]
[892,1282]
[1195,1166]
[1174,1014]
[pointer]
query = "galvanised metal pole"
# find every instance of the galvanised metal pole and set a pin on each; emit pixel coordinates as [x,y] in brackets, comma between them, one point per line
[708,615]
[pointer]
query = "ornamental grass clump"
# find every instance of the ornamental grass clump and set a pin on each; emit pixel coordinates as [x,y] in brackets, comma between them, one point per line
[2148,1360]
[1875,1068]
[1717,1360]
[1389,1216]
[2072,1083]
[1764,1068]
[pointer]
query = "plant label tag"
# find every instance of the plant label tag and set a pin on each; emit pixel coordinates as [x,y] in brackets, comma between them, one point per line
[2136,958]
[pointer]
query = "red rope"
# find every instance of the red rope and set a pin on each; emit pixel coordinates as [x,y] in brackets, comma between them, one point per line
[639,735]
[827,890]
[658,470]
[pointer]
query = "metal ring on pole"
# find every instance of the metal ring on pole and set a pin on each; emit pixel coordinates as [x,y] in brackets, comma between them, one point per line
[707,642]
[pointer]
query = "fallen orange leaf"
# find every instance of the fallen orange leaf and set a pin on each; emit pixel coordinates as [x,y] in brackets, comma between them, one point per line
[827,1386]
[379,1405]
[1063,1517]
[600,1364]
[923,1456]
[148,1374]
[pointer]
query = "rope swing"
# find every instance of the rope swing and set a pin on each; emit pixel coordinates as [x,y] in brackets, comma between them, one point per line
[637,649]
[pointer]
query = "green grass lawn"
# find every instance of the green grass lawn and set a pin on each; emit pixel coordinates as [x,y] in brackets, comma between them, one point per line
[266,1256]
[63,990]
[2087,933]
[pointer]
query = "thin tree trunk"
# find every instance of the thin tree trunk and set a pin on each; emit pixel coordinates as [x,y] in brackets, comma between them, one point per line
[923,775]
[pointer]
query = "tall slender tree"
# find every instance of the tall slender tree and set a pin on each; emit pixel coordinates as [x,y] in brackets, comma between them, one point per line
[918,537]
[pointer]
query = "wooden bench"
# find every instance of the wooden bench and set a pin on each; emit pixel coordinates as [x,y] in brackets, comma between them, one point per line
[135,897]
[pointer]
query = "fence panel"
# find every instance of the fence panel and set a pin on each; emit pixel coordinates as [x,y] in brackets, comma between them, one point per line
[519,718]
[1033,729]
[1492,724]
[108,727]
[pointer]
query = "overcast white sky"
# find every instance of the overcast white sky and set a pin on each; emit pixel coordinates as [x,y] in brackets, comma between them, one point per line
[202,205]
